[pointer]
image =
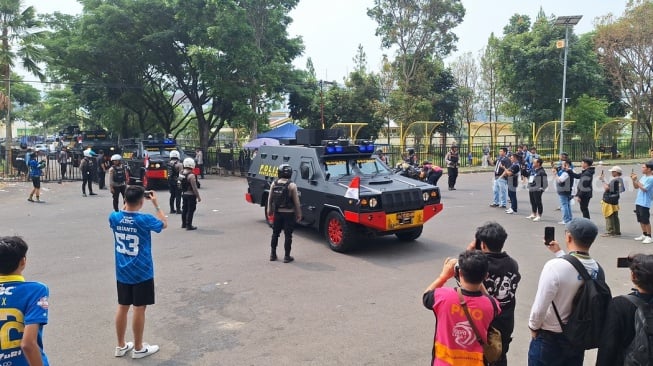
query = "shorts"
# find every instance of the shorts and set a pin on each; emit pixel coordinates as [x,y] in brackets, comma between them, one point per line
[643,214]
[139,294]
[36,182]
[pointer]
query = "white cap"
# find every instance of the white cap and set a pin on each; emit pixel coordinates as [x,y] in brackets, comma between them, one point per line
[616,168]
[116,157]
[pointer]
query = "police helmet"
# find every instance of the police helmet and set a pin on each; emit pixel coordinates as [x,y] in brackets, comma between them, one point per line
[116,157]
[189,163]
[174,154]
[285,171]
[87,153]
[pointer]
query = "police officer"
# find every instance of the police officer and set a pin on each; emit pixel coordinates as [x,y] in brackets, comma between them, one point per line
[117,179]
[283,205]
[87,167]
[174,168]
[189,194]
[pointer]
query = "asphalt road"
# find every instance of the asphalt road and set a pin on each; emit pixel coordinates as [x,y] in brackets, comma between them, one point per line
[221,302]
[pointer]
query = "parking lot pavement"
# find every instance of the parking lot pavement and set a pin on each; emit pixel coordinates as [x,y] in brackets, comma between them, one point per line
[221,302]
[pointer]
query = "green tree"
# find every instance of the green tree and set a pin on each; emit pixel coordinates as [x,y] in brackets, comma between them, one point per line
[421,31]
[586,111]
[625,46]
[21,34]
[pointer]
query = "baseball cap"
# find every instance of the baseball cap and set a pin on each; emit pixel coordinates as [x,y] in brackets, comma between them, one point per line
[616,168]
[582,229]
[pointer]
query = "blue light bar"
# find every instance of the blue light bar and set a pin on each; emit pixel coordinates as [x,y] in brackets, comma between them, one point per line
[169,141]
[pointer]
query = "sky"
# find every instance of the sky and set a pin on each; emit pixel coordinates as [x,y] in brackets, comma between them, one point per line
[333,29]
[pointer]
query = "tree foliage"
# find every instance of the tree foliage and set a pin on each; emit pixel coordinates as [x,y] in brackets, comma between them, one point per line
[625,46]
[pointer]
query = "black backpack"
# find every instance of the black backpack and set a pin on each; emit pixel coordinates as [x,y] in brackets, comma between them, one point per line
[640,350]
[182,182]
[590,306]
[280,194]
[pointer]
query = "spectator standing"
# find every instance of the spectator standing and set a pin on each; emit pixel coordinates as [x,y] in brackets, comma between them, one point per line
[454,341]
[558,284]
[537,184]
[24,308]
[501,282]
[486,156]
[35,171]
[564,184]
[512,175]
[132,231]
[500,186]
[470,158]
[644,187]
[610,202]
[619,329]
[453,162]
[199,160]
[585,187]
[62,158]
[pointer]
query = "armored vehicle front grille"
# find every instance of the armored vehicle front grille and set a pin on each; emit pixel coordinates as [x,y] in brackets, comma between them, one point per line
[402,200]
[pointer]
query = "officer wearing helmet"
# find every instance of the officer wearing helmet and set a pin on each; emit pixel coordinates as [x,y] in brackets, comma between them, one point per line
[284,208]
[88,167]
[118,178]
[187,183]
[174,169]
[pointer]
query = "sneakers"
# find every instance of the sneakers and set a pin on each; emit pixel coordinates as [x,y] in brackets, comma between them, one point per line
[562,223]
[647,240]
[510,211]
[537,218]
[123,351]
[641,237]
[530,217]
[494,205]
[148,349]
[607,235]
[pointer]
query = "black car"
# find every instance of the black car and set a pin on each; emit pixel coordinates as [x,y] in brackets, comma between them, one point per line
[386,203]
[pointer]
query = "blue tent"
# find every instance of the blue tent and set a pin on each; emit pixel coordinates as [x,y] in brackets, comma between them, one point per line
[286,131]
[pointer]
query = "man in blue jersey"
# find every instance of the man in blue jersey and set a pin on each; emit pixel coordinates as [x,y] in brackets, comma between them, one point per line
[134,266]
[24,306]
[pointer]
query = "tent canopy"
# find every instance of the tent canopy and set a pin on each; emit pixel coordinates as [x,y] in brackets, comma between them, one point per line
[286,131]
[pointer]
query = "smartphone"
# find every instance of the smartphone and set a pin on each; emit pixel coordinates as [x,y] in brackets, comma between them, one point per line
[148,194]
[549,235]
[623,262]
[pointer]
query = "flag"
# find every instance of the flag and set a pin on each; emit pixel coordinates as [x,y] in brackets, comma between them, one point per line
[354,188]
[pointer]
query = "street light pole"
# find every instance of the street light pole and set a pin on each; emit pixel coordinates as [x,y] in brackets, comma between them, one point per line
[566,21]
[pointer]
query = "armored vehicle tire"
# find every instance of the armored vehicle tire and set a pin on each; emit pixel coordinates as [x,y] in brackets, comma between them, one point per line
[340,234]
[268,219]
[409,235]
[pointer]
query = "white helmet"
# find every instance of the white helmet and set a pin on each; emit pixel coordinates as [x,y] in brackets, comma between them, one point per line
[116,157]
[189,163]
[174,154]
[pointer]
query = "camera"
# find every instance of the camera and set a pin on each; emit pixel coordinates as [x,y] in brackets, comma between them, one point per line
[148,194]
[624,262]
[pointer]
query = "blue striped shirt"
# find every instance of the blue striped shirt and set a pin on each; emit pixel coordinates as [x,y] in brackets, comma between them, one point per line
[133,245]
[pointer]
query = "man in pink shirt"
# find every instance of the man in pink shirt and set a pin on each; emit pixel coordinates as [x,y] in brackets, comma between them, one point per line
[455,342]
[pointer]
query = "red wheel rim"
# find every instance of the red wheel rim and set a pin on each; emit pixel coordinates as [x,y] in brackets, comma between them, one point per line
[335,231]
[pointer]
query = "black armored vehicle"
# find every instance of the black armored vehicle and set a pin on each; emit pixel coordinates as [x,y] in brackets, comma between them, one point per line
[345,191]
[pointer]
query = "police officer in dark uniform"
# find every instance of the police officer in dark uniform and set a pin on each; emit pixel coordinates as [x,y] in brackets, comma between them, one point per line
[104,163]
[87,167]
[118,178]
[285,208]
[174,169]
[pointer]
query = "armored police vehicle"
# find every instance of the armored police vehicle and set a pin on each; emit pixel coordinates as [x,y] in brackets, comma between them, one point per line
[148,161]
[345,191]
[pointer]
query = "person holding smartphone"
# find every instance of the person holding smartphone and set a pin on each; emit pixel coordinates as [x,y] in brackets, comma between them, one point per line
[610,201]
[644,187]
[132,231]
[502,280]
